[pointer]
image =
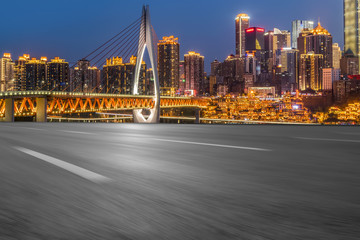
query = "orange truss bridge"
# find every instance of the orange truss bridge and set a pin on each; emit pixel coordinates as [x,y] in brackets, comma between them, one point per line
[43,103]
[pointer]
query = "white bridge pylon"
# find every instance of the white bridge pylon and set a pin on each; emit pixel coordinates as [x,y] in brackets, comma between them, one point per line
[146,42]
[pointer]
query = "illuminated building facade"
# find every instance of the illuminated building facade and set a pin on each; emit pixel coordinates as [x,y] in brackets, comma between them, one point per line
[182,78]
[194,73]
[20,71]
[281,39]
[168,63]
[310,71]
[349,65]
[336,51]
[242,22]
[58,75]
[36,75]
[290,68]
[302,40]
[351,27]
[254,39]
[231,73]
[320,42]
[297,27]
[327,79]
[85,78]
[118,76]
[6,73]
[215,67]
[269,49]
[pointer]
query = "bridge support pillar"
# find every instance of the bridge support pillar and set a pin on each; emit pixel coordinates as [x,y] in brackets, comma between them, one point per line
[197,115]
[41,109]
[9,110]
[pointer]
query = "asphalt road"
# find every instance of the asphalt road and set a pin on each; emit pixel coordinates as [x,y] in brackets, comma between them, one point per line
[127,181]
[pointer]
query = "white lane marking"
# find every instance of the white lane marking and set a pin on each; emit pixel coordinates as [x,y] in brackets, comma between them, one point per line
[328,139]
[68,131]
[213,145]
[38,129]
[94,177]
[347,133]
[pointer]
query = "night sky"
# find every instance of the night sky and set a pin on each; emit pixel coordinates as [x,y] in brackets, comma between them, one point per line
[73,28]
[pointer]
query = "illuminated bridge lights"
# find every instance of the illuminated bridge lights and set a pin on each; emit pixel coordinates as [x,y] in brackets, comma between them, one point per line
[63,102]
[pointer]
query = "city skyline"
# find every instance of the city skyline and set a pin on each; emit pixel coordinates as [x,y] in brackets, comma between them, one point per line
[41,40]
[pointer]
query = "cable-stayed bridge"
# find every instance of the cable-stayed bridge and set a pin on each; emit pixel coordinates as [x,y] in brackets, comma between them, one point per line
[131,43]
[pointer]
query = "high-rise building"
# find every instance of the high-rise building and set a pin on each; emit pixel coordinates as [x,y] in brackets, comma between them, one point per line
[58,75]
[194,73]
[36,75]
[327,79]
[349,65]
[20,71]
[182,82]
[119,76]
[269,49]
[7,79]
[351,27]
[290,68]
[297,28]
[254,39]
[302,40]
[85,78]
[310,71]
[242,22]
[231,72]
[281,39]
[215,67]
[336,55]
[168,63]
[320,42]
[149,82]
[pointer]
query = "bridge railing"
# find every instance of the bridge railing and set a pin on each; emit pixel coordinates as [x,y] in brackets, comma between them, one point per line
[30,103]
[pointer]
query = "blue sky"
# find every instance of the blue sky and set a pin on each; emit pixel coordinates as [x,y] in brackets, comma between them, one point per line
[73,28]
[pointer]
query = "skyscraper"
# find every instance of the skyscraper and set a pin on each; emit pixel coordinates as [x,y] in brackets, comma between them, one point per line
[290,67]
[85,78]
[194,73]
[336,56]
[20,71]
[297,27]
[6,73]
[320,42]
[182,78]
[168,63]
[351,28]
[254,39]
[58,75]
[281,39]
[119,76]
[310,71]
[242,22]
[36,75]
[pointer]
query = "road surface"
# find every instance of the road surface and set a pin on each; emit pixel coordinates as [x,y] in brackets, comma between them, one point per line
[127,181]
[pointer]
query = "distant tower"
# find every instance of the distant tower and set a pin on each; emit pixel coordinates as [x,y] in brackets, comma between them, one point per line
[194,73]
[6,73]
[36,75]
[351,28]
[336,56]
[58,75]
[310,71]
[297,27]
[242,22]
[168,63]
[320,42]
